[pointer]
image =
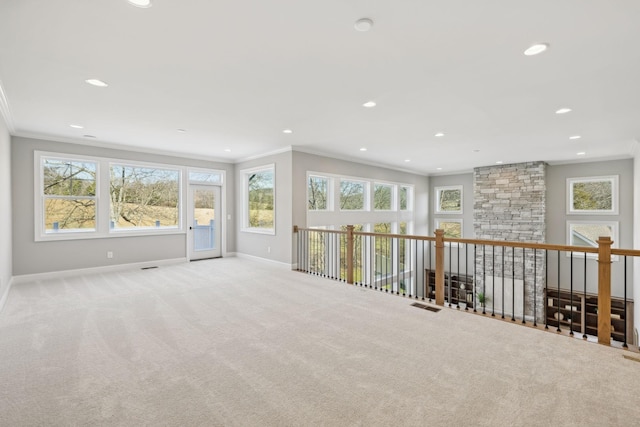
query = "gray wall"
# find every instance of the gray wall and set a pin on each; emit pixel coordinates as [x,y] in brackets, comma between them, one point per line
[556,219]
[31,257]
[466,180]
[6,271]
[276,247]
[636,238]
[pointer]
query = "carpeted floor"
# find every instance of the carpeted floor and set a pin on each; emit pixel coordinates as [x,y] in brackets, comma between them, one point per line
[232,342]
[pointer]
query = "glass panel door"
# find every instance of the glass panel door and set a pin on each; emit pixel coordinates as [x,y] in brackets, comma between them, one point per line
[204,222]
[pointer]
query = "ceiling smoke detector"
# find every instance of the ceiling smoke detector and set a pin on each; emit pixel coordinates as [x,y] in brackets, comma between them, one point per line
[363,24]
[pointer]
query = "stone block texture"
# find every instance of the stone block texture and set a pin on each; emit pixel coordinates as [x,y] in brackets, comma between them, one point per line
[509,205]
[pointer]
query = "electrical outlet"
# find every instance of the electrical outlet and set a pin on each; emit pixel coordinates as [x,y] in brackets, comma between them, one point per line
[109,254]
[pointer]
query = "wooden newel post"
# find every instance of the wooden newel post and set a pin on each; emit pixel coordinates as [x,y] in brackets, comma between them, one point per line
[350,254]
[439,267]
[604,290]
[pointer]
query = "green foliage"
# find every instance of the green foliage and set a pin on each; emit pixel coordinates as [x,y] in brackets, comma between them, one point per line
[318,190]
[261,199]
[382,197]
[450,200]
[592,195]
[351,195]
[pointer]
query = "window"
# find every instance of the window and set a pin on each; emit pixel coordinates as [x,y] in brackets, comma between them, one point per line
[593,195]
[206,177]
[144,197]
[83,197]
[68,193]
[259,199]
[406,194]
[452,227]
[449,199]
[587,234]
[318,193]
[382,197]
[352,195]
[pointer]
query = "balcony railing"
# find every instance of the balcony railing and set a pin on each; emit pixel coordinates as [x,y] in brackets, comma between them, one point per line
[571,289]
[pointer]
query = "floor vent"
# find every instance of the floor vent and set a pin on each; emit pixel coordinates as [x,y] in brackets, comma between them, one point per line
[425,307]
[149,268]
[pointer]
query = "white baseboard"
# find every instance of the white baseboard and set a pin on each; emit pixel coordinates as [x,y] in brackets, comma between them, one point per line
[5,294]
[270,261]
[95,270]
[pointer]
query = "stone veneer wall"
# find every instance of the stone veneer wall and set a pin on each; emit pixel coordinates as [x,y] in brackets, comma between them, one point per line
[509,205]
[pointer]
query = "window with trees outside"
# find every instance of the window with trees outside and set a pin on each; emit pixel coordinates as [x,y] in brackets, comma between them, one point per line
[318,193]
[352,195]
[259,199]
[383,197]
[405,198]
[452,227]
[593,195]
[143,197]
[448,199]
[68,195]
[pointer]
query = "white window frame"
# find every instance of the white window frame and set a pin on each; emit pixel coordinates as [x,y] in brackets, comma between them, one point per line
[613,179]
[409,198]
[329,191]
[148,230]
[393,204]
[615,235]
[438,221]
[437,207]
[39,199]
[244,174]
[366,185]
[103,171]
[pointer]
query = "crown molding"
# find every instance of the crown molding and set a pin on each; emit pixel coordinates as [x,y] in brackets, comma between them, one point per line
[5,110]
[115,146]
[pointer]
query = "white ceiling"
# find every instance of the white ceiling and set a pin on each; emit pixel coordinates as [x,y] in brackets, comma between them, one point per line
[235,73]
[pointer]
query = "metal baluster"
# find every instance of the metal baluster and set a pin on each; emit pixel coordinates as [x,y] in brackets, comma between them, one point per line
[513,283]
[558,330]
[584,334]
[546,286]
[535,287]
[459,290]
[524,288]
[493,281]
[494,275]
[571,296]
[475,277]
[625,303]
[484,280]
[450,274]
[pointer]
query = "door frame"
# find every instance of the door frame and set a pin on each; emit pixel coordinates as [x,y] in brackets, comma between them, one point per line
[220,229]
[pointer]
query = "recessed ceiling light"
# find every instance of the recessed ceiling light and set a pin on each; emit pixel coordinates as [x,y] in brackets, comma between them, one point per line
[439,134]
[499,162]
[363,149]
[439,169]
[581,153]
[140,3]
[563,111]
[287,131]
[407,160]
[181,130]
[369,104]
[575,137]
[228,150]
[77,126]
[96,82]
[536,49]
[363,24]
[89,136]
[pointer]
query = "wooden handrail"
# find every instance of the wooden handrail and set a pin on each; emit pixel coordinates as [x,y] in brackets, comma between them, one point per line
[603,251]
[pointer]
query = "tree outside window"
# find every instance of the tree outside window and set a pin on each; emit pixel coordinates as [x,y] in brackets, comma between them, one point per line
[352,195]
[449,199]
[69,195]
[318,193]
[382,197]
[259,199]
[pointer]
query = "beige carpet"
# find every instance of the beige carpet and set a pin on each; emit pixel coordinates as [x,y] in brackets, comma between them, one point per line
[232,342]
